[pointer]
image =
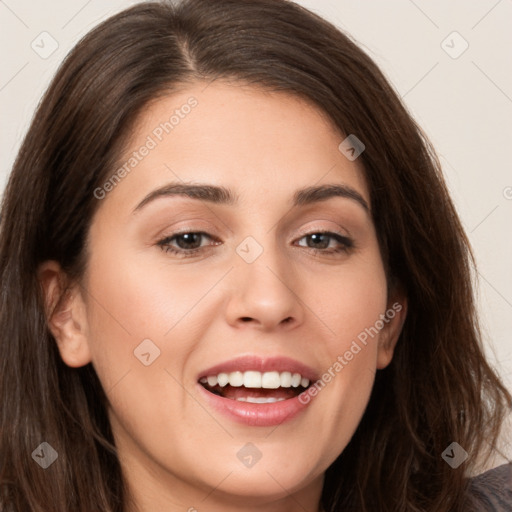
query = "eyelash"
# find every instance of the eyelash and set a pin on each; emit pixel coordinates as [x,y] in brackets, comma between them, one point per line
[346,244]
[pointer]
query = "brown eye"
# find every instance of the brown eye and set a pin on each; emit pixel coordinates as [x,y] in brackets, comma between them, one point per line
[319,240]
[327,242]
[187,243]
[189,240]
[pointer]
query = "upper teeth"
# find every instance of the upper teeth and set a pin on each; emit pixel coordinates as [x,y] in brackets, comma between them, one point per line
[252,379]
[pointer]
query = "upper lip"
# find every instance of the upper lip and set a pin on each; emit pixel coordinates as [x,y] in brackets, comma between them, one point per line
[261,364]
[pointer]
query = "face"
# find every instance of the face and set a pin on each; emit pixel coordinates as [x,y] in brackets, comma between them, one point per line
[233,264]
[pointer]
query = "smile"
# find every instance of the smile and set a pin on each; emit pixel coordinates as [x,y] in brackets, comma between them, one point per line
[256,387]
[243,391]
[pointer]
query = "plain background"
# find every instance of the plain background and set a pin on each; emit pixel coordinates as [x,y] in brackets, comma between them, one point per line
[461,97]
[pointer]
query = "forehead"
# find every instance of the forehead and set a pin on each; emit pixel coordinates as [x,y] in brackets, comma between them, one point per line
[236,136]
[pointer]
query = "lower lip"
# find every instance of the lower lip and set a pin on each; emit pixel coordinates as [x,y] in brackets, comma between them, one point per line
[256,415]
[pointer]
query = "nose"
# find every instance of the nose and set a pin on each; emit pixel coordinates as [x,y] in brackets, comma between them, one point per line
[265,295]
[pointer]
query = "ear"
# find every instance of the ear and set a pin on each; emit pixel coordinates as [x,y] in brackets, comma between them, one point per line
[396,313]
[65,314]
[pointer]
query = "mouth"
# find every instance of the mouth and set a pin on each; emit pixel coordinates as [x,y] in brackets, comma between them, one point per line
[256,391]
[256,387]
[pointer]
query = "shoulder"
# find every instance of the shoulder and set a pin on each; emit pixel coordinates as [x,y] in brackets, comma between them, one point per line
[492,491]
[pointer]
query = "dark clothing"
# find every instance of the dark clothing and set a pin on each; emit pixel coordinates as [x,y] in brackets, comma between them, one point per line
[492,491]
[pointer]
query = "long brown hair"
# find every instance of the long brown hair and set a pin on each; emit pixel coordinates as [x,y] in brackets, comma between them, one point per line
[438,388]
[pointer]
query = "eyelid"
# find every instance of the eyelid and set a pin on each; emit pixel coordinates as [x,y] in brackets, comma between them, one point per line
[165,244]
[175,234]
[345,241]
[338,230]
[309,232]
[326,226]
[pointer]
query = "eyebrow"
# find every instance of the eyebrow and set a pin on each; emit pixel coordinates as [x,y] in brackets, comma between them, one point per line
[222,195]
[319,193]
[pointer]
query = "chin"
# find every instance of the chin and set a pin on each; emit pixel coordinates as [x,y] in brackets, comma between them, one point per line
[269,479]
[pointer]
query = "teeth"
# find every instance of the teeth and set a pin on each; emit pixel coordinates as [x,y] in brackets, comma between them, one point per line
[286,380]
[296,378]
[236,379]
[259,400]
[303,382]
[223,379]
[253,379]
[271,380]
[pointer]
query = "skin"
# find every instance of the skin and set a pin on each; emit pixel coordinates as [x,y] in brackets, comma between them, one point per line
[177,453]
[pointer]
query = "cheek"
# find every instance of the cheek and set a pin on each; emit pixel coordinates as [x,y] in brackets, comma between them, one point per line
[133,300]
[349,304]
[143,329]
[139,306]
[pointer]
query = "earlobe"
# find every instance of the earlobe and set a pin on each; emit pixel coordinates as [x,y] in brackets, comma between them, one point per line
[65,315]
[395,315]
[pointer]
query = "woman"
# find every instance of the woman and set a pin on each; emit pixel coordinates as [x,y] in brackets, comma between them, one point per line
[233,279]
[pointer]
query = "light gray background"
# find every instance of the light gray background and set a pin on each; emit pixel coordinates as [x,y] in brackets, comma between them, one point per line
[463,102]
